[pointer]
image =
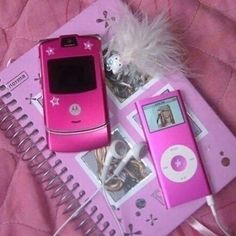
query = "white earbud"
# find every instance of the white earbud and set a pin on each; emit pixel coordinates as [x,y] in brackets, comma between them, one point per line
[117,149]
[136,152]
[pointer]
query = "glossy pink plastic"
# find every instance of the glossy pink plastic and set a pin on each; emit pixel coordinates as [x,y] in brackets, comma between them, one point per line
[174,153]
[76,121]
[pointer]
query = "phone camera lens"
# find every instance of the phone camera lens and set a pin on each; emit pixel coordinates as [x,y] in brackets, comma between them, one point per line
[69,41]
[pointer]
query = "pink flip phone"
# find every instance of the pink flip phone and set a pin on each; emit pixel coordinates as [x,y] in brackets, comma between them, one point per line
[74,96]
[173,148]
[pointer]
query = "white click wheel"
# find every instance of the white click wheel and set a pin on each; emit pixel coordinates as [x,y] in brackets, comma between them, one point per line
[179,163]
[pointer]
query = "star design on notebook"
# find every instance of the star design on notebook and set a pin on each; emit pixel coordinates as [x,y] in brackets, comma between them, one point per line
[55,101]
[132,232]
[50,51]
[38,77]
[88,45]
[30,98]
[151,219]
[106,19]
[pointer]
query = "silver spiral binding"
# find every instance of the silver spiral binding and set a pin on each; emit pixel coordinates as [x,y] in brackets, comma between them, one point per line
[67,196]
[86,218]
[26,140]
[7,117]
[74,204]
[13,125]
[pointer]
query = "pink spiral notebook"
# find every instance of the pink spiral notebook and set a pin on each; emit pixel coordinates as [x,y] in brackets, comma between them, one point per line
[136,199]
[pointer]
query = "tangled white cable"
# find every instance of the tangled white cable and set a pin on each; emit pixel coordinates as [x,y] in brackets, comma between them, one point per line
[211,204]
[119,150]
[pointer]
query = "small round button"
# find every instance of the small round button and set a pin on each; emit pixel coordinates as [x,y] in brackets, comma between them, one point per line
[178,163]
[74,109]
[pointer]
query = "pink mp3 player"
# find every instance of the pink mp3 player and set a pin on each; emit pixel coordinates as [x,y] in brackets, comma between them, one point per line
[173,148]
[74,96]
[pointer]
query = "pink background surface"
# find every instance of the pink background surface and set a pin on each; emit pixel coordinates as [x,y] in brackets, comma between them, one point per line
[208,30]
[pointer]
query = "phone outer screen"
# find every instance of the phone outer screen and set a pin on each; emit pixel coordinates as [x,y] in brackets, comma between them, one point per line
[71,75]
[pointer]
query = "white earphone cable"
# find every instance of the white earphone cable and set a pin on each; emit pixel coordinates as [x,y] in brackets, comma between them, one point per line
[110,154]
[209,199]
[76,212]
[211,204]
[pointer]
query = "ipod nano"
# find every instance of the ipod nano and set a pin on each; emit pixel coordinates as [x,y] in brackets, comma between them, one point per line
[173,148]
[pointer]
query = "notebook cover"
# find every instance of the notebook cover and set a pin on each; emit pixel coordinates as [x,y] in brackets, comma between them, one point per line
[138,203]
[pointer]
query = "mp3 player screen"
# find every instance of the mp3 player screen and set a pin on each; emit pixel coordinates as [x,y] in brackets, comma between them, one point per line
[163,114]
[71,75]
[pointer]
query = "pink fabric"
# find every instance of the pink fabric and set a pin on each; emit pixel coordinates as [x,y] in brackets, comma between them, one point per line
[208,28]
[25,209]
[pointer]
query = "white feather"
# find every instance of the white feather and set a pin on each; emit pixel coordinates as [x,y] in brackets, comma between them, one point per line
[149,46]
